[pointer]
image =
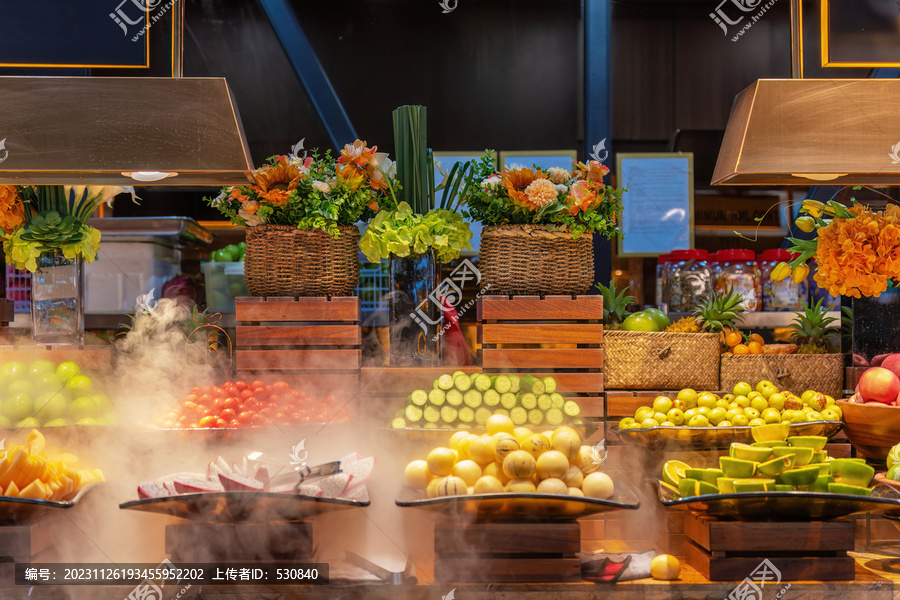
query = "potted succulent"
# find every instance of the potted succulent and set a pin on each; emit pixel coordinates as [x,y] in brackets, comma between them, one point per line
[300,214]
[46,232]
[416,231]
[538,225]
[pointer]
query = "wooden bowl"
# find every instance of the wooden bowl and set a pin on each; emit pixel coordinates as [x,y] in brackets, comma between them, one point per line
[872,429]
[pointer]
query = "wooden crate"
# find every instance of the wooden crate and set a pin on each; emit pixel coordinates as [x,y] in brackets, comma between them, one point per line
[261,542]
[507,552]
[313,343]
[732,550]
[559,336]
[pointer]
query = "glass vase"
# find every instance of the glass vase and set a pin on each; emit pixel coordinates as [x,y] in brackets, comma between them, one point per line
[875,324]
[415,311]
[57,300]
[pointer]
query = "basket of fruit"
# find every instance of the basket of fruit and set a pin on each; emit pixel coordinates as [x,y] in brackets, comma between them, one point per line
[644,351]
[871,415]
[809,363]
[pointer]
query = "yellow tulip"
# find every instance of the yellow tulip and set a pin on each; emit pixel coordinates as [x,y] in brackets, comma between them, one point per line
[781,271]
[800,273]
[807,224]
[813,207]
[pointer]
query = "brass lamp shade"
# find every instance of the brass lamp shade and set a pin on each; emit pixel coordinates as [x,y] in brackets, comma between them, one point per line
[121,131]
[809,131]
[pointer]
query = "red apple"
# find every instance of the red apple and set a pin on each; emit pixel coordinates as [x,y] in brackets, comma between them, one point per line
[879,384]
[878,360]
[892,363]
[860,361]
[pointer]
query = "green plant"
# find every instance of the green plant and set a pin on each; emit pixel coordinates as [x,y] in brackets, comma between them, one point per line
[614,304]
[719,311]
[811,329]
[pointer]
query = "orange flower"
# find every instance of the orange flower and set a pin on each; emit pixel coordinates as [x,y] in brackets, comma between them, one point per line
[848,254]
[12,211]
[357,154]
[238,194]
[581,196]
[594,171]
[516,181]
[275,182]
[350,175]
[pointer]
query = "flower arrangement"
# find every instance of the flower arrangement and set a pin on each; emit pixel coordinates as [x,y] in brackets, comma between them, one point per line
[38,220]
[857,249]
[317,192]
[577,201]
[413,220]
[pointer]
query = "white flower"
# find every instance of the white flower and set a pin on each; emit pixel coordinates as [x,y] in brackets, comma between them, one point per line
[381,162]
[225,193]
[561,189]
[491,182]
[322,187]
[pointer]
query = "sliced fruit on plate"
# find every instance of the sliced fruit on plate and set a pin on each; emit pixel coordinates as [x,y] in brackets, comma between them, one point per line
[673,471]
[774,467]
[692,487]
[770,432]
[800,476]
[816,442]
[737,468]
[851,472]
[748,452]
[195,486]
[234,482]
[754,485]
[842,488]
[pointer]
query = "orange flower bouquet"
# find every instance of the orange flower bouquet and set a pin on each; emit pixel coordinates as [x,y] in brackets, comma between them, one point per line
[317,192]
[576,201]
[857,249]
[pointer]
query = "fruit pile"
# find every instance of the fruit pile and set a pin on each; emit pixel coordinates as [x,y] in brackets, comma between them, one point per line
[230,253]
[774,462]
[744,406]
[893,464]
[880,383]
[238,404]
[29,471]
[513,460]
[463,401]
[811,332]
[254,476]
[45,394]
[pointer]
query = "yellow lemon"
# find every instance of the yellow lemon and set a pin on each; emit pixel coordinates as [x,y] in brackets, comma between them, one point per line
[440,461]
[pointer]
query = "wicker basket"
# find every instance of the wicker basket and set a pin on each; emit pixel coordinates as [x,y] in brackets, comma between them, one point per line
[282,260]
[528,259]
[660,360]
[795,372]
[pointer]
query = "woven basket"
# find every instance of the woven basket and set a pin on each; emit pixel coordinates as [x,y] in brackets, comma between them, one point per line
[528,259]
[795,372]
[660,360]
[282,260]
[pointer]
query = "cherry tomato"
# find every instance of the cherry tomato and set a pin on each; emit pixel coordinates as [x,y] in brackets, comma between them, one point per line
[217,392]
[241,385]
[206,399]
[275,399]
[194,426]
[280,386]
[168,425]
[193,398]
[219,404]
[245,418]
[209,421]
[296,417]
[227,414]
[247,393]
[234,424]
[233,403]
[222,422]
[280,417]
[189,407]
[196,390]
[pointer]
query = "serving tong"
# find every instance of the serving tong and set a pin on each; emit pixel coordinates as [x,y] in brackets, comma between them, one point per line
[303,470]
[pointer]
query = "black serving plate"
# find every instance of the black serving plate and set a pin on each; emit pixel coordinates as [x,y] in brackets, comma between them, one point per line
[785,506]
[15,510]
[240,507]
[673,438]
[519,507]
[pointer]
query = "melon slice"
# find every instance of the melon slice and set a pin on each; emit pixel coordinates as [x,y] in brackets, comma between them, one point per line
[360,470]
[151,489]
[193,486]
[239,483]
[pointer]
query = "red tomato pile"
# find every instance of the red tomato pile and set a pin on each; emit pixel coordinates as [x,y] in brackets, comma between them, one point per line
[237,404]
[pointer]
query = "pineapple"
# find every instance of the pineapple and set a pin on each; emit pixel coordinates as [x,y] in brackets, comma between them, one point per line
[614,311]
[811,329]
[720,311]
[684,325]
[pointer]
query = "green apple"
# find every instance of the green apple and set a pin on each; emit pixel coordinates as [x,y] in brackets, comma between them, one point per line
[698,421]
[760,404]
[83,407]
[706,399]
[742,401]
[48,382]
[51,405]
[771,415]
[776,400]
[13,370]
[675,416]
[642,413]
[662,404]
[40,367]
[28,422]
[103,403]
[830,415]
[769,391]
[740,420]
[716,415]
[751,412]
[742,388]
[56,423]
[662,321]
[18,407]
[20,386]
[722,403]
[640,321]
[79,385]
[763,383]
[68,370]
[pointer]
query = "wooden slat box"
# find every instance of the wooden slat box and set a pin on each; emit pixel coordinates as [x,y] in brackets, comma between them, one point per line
[261,542]
[313,343]
[507,552]
[732,550]
[523,334]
